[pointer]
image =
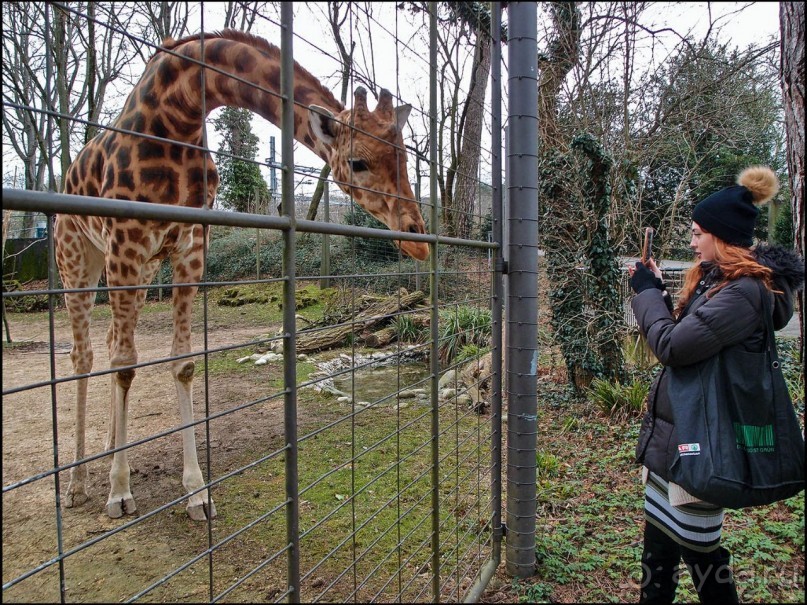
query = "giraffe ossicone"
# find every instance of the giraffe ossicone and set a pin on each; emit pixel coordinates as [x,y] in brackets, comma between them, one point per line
[364,149]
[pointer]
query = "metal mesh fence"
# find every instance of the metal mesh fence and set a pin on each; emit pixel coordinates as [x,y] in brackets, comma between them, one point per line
[341,469]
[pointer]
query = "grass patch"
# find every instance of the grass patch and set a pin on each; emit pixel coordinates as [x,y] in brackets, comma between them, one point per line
[590,519]
[365,494]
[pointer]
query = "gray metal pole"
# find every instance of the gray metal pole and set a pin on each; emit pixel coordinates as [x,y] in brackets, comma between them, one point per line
[289,287]
[433,301]
[325,265]
[419,199]
[522,321]
[498,291]
[489,568]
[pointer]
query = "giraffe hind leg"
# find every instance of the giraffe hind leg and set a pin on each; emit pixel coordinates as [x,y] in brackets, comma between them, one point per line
[120,500]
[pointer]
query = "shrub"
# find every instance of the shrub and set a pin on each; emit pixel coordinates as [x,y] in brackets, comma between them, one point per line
[546,465]
[471,351]
[367,248]
[461,326]
[407,329]
[616,400]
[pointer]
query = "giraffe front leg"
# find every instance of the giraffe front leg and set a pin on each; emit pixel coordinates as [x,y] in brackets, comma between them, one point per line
[77,488]
[79,306]
[120,500]
[200,506]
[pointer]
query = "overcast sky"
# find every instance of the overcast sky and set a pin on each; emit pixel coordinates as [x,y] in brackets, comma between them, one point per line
[402,66]
[401,59]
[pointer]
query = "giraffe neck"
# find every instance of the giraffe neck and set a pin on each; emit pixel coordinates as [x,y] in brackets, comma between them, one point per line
[171,86]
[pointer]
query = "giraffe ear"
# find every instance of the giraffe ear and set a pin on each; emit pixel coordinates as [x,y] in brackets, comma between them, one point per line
[402,114]
[323,123]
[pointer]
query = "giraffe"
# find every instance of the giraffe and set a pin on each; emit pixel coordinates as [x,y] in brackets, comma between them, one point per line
[364,149]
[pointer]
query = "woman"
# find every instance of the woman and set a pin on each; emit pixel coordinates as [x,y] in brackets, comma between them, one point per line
[719,306]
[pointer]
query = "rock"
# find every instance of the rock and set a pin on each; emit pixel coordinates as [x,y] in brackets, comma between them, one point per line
[252,357]
[266,358]
[447,393]
[447,379]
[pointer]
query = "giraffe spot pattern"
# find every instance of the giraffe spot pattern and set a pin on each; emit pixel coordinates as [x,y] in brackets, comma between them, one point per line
[150,150]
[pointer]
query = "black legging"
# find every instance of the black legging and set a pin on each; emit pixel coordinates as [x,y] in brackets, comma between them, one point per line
[662,555]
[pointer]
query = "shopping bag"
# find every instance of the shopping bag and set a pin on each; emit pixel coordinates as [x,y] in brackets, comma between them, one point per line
[739,440]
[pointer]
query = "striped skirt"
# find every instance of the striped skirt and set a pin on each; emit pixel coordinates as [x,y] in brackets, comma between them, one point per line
[696,526]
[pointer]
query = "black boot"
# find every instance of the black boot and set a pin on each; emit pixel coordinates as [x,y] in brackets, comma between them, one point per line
[660,561]
[712,575]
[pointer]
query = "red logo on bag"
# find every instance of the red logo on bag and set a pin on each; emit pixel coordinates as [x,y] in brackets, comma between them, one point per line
[689,449]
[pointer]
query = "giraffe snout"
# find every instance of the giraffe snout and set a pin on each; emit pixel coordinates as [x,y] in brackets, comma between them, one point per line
[417,250]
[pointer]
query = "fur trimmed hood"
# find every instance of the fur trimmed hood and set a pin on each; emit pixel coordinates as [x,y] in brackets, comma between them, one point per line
[788,278]
[786,264]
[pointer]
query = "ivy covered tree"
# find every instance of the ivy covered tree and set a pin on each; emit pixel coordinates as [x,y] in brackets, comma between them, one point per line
[241,185]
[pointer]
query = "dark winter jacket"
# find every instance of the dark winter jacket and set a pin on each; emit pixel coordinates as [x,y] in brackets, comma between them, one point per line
[731,317]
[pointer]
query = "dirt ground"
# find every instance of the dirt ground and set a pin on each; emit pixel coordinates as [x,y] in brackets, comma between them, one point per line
[147,549]
[132,559]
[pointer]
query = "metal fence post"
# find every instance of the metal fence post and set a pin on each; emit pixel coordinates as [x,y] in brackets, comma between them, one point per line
[498,292]
[289,287]
[435,318]
[522,321]
[325,267]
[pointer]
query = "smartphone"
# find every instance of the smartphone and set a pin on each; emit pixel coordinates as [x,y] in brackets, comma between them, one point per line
[647,244]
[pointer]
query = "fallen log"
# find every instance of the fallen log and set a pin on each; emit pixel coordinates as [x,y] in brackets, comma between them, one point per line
[373,315]
[380,338]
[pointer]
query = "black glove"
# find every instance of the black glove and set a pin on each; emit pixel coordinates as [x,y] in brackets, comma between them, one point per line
[644,279]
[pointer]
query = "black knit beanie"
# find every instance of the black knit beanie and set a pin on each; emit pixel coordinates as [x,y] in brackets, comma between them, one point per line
[730,214]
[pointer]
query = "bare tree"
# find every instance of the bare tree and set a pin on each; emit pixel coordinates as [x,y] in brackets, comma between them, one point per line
[791,23]
[84,60]
[336,20]
[156,21]
[471,121]
[242,15]
[25,95]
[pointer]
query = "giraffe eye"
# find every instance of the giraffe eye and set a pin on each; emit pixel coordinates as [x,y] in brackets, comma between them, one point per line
[358,165]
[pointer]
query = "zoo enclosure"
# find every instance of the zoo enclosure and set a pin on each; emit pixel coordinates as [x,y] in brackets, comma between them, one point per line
[447,498]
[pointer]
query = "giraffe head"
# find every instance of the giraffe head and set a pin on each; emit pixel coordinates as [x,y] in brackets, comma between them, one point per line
[368,160]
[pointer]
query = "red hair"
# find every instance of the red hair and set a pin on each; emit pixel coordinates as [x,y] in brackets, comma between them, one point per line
[733,262]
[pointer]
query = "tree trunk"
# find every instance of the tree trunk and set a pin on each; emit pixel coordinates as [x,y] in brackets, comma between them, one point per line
[380,338]
[313,208]
[791,22]
[92,69]
[367,319]
[464,197]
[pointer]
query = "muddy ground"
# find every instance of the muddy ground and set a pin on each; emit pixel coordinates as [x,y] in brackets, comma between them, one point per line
[127,562]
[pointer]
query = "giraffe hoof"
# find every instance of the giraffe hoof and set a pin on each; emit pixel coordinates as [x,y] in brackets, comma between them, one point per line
[116,508]
[75,499]
[200,512]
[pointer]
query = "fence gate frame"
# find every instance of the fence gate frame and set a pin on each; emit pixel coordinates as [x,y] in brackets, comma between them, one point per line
[517,263]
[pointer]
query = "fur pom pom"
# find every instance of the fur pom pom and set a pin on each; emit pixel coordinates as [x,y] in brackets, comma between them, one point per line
[761,181]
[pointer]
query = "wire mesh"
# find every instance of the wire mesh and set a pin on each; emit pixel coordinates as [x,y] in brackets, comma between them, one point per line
[386,492]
